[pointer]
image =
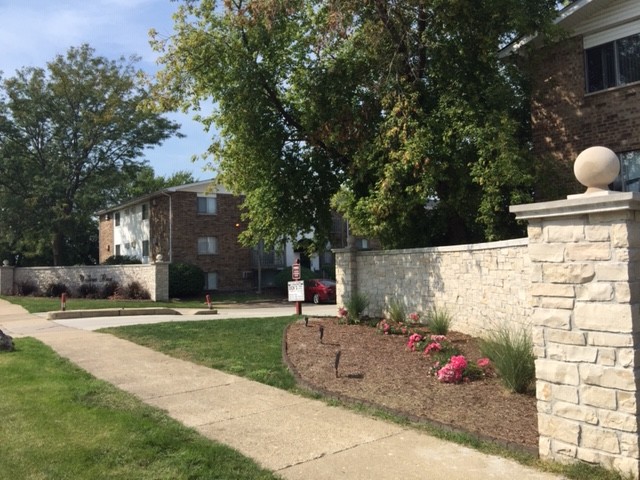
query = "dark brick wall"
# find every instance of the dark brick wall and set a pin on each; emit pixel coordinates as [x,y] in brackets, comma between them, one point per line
[565,120]
[232,258]
[105,236]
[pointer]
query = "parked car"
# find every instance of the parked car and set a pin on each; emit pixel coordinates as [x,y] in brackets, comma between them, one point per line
[319,290]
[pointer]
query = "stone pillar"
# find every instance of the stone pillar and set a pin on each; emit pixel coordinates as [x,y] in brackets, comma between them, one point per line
[161,284]
[346,272]
[585,289]
[6,280]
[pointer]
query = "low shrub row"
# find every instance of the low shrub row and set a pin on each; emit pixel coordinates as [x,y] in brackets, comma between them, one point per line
[110,290]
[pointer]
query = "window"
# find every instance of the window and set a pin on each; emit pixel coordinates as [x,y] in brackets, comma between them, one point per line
[613,64]
[145,248]
[629,178]
[211,281]
[207,245]
[145,211]
[117,250]
[207,205]
[117,219]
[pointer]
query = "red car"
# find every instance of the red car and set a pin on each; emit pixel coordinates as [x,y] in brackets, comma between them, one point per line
[320,291]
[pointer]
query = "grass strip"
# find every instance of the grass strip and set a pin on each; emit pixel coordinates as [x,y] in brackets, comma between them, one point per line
[58,422]
[250,348]
[49,304]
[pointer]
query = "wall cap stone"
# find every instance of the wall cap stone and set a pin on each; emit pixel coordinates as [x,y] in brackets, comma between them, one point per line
[615,202]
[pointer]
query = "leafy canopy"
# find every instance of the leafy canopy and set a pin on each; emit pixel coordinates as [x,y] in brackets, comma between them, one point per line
[70,136]
[399,114]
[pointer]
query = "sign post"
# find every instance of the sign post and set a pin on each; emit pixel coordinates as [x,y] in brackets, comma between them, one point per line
[298,285]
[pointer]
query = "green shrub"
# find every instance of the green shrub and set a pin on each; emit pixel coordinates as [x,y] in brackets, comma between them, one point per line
[185,280]
[88,290]
[438,321]
[511,352]
[122,260]
[397,311]
[110,289]
[356,305]
[135,291]
[26,288]
[56,289]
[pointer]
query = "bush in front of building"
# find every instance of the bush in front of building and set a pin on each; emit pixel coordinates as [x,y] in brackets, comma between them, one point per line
[185,280]
[55,289]
[122,260]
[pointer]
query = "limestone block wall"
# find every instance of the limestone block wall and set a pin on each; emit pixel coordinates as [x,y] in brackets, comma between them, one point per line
[480,285]
[153,277]
[585,276]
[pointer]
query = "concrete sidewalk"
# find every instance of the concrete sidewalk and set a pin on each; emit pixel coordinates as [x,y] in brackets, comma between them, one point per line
[294,436]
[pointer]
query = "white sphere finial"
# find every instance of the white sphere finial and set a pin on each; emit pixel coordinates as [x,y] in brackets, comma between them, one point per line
[596,168]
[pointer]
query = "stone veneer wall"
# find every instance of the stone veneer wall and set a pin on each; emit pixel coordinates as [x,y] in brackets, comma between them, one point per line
[153,277]
[585,261]
[480,285]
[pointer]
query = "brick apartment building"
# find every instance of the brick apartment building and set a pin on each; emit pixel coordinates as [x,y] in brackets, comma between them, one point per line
[586,92]
[198,223]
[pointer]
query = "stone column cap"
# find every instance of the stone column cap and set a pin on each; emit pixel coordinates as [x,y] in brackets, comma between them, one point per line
[584,204]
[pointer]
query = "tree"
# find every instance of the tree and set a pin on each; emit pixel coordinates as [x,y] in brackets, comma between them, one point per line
[399,111]
[69,135]
[146,182]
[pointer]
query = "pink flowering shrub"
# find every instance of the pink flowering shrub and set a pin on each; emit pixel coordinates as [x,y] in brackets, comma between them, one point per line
[389,327]
[414,342]
[414,317]
[453,371]
[483,362]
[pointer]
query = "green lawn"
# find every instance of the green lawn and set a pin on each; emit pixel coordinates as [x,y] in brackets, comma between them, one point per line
[251,348]
[58,422]
[46,304]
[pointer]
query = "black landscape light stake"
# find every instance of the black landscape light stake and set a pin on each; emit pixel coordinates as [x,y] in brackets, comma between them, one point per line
[306,321]
[337,364]
[321,332]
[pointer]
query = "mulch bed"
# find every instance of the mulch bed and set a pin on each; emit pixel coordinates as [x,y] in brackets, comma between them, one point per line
[379,370]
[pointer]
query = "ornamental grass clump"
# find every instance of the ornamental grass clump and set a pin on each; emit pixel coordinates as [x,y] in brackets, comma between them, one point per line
[356,305]
[511,352]
[438,321]
[396,311]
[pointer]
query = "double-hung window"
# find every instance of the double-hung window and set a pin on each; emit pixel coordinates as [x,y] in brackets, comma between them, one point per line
[207,246]
[613,64]
[207,205]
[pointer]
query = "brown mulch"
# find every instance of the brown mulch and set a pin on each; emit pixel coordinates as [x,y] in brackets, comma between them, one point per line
[379,370]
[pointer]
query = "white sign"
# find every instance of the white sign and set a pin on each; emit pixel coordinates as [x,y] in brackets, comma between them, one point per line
[296,291]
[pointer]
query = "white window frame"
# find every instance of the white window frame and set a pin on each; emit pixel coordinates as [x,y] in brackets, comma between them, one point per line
[211,280]
[207,245]
[210,204]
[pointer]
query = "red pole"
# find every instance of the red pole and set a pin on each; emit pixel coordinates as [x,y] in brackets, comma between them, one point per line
[208,299]
[298,308]
[63,301]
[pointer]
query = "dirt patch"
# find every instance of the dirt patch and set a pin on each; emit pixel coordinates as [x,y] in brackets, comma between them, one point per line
[380,370]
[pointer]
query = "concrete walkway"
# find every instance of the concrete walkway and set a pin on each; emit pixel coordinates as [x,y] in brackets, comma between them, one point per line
[296,437]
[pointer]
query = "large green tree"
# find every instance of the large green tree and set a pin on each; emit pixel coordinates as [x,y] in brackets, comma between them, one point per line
[398,111]
[70,135]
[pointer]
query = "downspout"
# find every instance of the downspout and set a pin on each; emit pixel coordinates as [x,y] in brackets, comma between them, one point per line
[170,226]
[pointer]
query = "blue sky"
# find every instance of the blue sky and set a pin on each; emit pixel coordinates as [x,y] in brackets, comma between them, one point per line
[33,32]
